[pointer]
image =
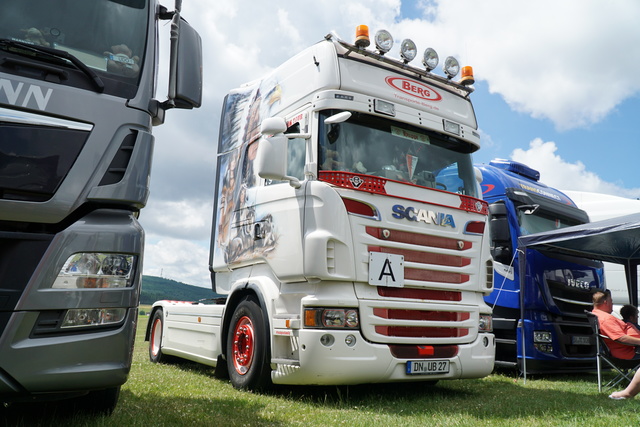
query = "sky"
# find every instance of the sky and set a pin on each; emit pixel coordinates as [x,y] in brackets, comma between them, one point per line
[557,88]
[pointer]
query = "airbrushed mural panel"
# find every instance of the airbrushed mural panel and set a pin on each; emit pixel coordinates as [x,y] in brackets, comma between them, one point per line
[243,230]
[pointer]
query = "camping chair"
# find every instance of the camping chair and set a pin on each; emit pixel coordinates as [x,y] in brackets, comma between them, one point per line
[624,368]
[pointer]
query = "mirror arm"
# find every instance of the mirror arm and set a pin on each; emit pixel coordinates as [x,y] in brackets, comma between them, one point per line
[293,181]
[297,135]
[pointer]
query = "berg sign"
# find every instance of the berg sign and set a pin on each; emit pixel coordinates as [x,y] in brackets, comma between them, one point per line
[413,88]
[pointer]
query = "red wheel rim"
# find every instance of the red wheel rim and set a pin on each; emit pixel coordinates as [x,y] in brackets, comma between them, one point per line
[243,342]
[156,331]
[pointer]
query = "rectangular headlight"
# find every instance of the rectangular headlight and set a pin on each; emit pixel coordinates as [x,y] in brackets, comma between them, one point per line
[542,336]
[452,127]
[87,270]
[79,317]
[384,107]
[317,317]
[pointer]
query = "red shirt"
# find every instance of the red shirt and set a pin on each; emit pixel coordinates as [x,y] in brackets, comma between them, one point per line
[615,328]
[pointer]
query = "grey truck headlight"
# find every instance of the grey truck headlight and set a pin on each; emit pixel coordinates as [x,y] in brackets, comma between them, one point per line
[96,270]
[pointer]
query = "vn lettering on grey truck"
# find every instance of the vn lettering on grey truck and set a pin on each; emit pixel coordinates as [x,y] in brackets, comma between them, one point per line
[24,95]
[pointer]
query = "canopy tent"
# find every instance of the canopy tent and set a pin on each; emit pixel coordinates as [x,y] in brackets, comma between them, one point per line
[614,240]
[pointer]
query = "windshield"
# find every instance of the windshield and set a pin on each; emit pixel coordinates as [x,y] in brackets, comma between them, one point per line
[108,36]
[540,221]
[370,145]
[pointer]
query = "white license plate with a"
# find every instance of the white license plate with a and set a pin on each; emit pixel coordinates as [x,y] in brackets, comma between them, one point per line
[426,367]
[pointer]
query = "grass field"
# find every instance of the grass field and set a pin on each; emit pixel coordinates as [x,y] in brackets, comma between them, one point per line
[187,394]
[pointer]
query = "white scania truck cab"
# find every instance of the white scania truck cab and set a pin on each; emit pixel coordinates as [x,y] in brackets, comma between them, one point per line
[349,237]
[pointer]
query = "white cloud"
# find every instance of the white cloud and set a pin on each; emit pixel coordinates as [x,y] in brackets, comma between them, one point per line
[558,173]
[188,219]
[178,259]
[569,62]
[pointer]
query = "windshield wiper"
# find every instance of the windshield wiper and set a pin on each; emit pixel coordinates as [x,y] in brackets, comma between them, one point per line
[17,46]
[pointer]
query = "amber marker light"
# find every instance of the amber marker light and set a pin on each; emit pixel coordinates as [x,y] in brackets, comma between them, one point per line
[467,76]
[362,36]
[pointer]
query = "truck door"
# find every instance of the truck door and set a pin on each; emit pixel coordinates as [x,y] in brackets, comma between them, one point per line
[269,218]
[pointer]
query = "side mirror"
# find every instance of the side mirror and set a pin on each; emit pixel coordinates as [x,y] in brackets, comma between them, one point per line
[273,125]
[188,68]
[271,159]
[501,248]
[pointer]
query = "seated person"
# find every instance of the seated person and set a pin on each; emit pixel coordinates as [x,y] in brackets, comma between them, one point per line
[623,336]
[629,314]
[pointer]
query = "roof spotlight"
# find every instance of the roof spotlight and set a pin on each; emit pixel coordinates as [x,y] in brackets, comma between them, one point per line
[384,41]
[451,67]
[430,58]
[408,50]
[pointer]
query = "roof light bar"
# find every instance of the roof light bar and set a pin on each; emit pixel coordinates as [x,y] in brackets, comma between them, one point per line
[384,42]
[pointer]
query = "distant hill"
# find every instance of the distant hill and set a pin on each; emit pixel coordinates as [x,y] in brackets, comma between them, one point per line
[156,288]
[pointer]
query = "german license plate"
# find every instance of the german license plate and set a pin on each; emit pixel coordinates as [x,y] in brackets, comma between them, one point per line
[426,367]
[580,340]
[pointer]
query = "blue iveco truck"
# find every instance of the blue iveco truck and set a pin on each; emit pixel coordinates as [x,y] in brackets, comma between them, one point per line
[549,301]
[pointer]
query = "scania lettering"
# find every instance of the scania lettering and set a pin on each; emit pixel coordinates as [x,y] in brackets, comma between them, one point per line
[539,315]
[429,217]
[77,88]
[348,232]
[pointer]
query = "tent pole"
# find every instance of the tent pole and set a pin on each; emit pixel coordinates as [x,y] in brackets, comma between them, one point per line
[522,269]
[631,274]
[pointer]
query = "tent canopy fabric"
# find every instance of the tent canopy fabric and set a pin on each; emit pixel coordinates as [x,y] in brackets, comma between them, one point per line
[615,240]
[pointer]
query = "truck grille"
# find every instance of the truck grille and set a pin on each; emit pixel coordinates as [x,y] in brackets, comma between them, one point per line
[33,171]
[424,311]
[570,301]
[424,260]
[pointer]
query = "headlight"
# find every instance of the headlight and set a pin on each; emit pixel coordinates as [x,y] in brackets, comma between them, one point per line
[79,317]
[96,270]
[408,50]
[384,41]
[485,323]
[542,336]
[430,58]
[331,318]
[451,67]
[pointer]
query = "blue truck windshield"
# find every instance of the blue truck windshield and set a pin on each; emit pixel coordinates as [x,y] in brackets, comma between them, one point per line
[370,145]
[538,222]
[107,36]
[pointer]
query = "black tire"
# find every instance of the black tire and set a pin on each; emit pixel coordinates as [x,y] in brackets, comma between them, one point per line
[221,371]
[248,350]
[155,338]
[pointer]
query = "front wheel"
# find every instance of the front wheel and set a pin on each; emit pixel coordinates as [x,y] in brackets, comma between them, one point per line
[248,351]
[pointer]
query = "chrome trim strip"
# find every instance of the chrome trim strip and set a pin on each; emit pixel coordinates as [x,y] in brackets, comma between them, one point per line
[22,117]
